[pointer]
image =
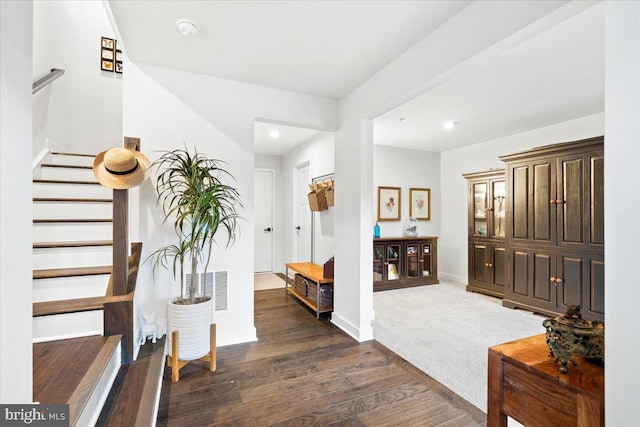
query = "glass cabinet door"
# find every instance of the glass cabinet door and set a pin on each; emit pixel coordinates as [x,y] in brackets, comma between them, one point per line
[425,260]
[499,192]
[393,262]
[378,260]
[480,209]
[413,268]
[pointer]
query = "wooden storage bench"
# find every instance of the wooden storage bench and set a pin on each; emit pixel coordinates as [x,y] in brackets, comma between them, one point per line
[310,287]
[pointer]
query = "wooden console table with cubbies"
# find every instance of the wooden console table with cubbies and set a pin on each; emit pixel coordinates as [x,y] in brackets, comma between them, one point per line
[400,262]
[310,286]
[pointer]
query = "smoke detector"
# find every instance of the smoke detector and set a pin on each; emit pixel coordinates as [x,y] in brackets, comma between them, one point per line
[188,27]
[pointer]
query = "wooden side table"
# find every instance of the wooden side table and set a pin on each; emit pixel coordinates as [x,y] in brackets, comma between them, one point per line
[526,385]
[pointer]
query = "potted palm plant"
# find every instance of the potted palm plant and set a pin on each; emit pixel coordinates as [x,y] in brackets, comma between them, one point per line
[193,196]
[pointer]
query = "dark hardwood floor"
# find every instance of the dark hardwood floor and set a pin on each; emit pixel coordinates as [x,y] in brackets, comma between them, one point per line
[305,372]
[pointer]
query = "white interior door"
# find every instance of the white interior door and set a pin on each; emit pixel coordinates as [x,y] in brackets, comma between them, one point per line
[302,232]
[263,185]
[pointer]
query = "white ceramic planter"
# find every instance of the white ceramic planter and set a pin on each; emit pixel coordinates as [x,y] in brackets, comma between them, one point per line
[192,321]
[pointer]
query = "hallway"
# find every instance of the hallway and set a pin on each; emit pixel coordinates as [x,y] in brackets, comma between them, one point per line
[307,372]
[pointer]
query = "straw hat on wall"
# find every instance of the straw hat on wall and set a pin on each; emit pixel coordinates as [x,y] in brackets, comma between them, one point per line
[121,168]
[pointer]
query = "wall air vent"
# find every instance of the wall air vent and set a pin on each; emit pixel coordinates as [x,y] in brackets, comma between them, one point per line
[221,291]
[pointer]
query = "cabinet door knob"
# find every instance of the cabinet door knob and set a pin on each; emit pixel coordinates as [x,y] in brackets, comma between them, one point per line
[559,202]
[552,279]
[558,280]
[490,265]
[552,202]
[386,263]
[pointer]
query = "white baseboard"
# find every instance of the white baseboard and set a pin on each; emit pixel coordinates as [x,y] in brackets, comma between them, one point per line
[453,278]
[40,157]
[352,330]
[91,411]
[156,405]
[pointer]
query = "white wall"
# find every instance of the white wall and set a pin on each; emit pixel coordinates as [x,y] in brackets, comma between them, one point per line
[320,153]
[405,168]
[82,110]
[15,202]
[452,256]
[622,204]
[464,41]
[166,107]
[275,163]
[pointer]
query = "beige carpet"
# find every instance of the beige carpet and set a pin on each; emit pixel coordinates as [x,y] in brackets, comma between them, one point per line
[267,281]
[446,332]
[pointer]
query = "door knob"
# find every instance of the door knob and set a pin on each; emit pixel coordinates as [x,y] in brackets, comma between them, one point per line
[552,279]
[558,280]
[298,228]
[268,229]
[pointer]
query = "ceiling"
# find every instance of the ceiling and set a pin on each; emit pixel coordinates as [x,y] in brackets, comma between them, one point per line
[556,76]
[288,138]
[322,48]
[329,48]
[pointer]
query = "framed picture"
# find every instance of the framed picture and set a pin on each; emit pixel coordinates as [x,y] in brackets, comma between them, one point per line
[106,65]
[107,54]
[118,67]
[107,43]
[118,55]
[388,203]
[420,203]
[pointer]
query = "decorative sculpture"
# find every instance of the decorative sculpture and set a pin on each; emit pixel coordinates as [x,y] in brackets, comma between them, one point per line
[569,335]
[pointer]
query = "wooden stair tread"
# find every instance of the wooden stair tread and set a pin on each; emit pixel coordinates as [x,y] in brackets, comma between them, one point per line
[60,153]
[71,200]
[135,391]
[62,220]
[76,305]
[74,244]
[60,181]
[55,165]
[67,371]
[53,273]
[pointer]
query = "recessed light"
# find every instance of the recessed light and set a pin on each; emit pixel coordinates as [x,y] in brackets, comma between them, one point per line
[449,125]
[274,134]
[188,27]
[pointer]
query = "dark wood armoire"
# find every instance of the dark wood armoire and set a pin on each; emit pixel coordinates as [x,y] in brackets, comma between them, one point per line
[487,226]
[554,237]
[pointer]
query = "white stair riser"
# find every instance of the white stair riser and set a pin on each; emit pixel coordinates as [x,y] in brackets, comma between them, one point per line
[69,288]
[61,159]
[72,257]
[70,174]
[71,191]
[72,232]
[71,325]
[71,210]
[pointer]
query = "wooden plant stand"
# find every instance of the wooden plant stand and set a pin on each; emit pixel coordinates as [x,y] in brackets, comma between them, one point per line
[176,364]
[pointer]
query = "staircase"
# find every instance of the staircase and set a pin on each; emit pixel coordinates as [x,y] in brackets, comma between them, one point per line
[72,250]
[72,257]
[72,288]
